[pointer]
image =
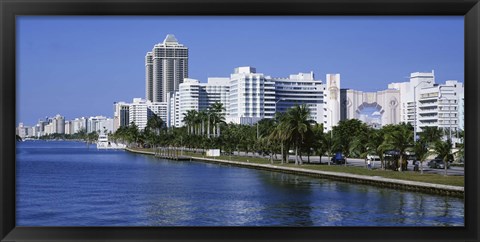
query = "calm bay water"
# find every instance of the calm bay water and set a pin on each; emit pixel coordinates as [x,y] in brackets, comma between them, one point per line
[68,184]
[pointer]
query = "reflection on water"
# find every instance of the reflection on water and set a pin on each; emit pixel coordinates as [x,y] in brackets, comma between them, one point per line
[68,184]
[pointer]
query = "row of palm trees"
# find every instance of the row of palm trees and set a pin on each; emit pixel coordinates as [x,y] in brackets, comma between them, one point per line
[205,122]
[291,131]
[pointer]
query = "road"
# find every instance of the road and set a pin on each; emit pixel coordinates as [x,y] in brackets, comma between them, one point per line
[454,171]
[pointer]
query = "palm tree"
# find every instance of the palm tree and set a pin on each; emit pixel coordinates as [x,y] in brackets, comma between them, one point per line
[400,139]
[319,140]
[444,150]
[202,117]
[280,135]
[217,112]
[375,145]
[155,123]
[189,119]
[358,146]
[421,152]
[431,134]
[298,126]
[330,144]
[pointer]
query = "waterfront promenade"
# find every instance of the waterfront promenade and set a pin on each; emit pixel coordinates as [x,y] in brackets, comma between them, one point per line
[457,191]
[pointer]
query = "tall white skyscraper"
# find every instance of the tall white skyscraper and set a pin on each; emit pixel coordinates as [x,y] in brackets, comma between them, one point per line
[165,68]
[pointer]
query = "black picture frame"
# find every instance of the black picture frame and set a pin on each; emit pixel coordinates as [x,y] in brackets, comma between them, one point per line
[470,9]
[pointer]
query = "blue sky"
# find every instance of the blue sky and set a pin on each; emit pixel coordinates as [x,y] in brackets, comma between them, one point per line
[79,66]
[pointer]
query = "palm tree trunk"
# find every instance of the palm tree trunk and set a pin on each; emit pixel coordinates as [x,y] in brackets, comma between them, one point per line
[400,163]
[421,167]
[282,152]
[446,166]
[296,155]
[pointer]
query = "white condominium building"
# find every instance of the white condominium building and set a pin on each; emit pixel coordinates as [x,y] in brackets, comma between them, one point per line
[188,97]
[441,106]
[216,89]
[410,93]
[165,68]
[121,117]
[79,124]
[295,90]
[69,127]
[248,97]
[193,95]
[22,130]
[425,103]
[138,112]
[99,124]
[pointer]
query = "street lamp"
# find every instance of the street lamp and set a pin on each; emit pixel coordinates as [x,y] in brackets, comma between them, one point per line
[415,113]
[281,99]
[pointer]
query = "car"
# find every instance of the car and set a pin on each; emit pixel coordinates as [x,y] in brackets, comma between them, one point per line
[438,164]
[338,158]
[373,158]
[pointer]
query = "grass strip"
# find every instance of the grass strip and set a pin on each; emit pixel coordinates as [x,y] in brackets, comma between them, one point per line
[405,175]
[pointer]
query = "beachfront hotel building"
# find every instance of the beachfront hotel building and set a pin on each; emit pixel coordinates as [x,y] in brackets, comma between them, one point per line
[193,95]
[166,66]
[251,96]
[248,96]
[420,102]
[424,103]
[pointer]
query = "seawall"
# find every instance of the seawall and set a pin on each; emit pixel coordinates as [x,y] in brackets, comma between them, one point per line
[340,176]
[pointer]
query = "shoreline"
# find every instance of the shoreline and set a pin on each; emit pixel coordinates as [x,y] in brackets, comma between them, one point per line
[455,191]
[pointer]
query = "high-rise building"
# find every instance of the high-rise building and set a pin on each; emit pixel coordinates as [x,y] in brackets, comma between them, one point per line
[331,101]
[79,124]
[425,103]
[410,93]
[165,68]
[193,95]
[22,130]
[298,89]
[69,127]
[121,112]
[248,96]
[138,112]
[58,124]
[440,106]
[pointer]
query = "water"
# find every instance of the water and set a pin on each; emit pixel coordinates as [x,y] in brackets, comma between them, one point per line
[68,184]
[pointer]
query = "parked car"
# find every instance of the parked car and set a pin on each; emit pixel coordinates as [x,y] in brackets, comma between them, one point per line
[438,164]
[338,158]
[373,158]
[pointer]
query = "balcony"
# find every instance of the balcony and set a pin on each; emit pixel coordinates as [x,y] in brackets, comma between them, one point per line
[429,104]
[428,111]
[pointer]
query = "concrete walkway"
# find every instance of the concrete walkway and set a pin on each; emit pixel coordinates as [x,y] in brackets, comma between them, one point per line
[372,180]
